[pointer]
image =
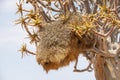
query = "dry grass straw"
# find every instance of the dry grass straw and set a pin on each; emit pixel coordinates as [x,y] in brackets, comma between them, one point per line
[58,45]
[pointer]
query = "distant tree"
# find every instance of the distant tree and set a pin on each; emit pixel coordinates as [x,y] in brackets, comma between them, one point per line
[64,29]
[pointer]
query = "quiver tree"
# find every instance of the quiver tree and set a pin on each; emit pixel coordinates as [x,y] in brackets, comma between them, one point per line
[64,29]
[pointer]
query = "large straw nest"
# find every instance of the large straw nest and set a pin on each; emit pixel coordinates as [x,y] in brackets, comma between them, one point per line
[58,44]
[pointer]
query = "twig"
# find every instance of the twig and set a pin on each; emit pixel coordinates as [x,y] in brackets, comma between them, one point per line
[75,66]
[87,6]
[47,19]
[45,6]
[30,52]
[73,6]
[89,69]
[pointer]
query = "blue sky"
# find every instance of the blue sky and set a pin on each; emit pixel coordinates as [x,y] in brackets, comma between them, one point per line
[12,67]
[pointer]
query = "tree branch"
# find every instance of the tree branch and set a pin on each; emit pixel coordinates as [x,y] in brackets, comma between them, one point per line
[89,68]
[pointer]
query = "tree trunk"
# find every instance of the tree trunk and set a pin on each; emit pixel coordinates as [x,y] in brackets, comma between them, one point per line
[106,69]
